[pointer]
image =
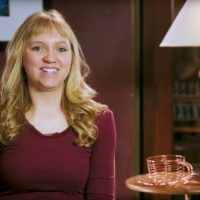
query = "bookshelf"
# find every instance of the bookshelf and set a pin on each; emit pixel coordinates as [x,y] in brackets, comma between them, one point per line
[186,103]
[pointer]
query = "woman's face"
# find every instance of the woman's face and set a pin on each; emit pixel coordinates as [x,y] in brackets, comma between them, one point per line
[47,60]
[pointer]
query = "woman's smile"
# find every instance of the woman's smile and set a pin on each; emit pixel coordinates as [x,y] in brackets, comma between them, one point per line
[49,70]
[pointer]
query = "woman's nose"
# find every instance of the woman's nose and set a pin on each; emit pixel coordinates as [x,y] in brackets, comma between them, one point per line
[50,57]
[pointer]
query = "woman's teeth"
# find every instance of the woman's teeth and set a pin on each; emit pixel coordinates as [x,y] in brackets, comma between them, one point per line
[49,70]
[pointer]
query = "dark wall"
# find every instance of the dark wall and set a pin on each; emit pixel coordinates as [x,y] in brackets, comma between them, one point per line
[104,32]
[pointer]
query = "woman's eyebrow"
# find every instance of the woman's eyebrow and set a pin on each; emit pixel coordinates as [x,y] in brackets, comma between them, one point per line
[36,42]
[44,43]
[67,43]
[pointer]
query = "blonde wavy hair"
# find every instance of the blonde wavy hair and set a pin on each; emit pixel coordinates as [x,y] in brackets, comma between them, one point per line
[77,101]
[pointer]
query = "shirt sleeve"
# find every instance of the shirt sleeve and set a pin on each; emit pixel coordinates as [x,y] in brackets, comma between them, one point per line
[101,181]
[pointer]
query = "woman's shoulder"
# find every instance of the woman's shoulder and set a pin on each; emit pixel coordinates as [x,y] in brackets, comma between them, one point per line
[106,127]
[105,118]
[104,114]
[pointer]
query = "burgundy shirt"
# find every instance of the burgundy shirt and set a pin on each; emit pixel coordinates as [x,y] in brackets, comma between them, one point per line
[40,167]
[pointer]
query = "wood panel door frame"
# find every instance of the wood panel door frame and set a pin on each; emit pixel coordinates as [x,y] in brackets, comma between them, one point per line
[157,82]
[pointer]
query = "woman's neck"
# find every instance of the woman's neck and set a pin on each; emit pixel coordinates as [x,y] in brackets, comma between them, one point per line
[48,101]
[46,113]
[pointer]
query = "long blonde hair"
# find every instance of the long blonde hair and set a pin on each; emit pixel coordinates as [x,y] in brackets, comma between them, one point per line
[77,101]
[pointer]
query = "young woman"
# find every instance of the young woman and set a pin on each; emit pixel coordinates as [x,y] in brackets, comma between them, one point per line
[56,141]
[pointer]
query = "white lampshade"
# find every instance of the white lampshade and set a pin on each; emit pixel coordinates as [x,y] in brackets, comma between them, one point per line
[185,29]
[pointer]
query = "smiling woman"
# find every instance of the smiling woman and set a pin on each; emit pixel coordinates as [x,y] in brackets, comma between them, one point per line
[47,60]
[56,141]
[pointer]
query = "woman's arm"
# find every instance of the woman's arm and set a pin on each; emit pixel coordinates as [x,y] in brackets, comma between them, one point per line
[101,181]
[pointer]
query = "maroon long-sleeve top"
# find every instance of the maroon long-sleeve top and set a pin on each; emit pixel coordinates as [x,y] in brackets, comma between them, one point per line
[39,167]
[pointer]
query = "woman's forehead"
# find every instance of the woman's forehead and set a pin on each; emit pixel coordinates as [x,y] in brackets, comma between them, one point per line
[49,38]
[47,29]
[48,34]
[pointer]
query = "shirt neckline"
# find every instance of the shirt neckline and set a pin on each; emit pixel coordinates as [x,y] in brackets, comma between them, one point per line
[50,135]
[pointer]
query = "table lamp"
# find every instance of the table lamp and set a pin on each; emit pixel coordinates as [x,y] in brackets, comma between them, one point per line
[185,29]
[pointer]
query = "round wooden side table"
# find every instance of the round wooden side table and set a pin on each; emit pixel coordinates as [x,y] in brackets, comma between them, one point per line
[142,183]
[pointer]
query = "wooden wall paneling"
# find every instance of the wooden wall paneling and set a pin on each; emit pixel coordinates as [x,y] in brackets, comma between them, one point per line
[157,121]
[163,64]
[148,79]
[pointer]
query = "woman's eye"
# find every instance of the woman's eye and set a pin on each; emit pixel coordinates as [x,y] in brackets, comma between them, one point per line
[37,49]
[61,49]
